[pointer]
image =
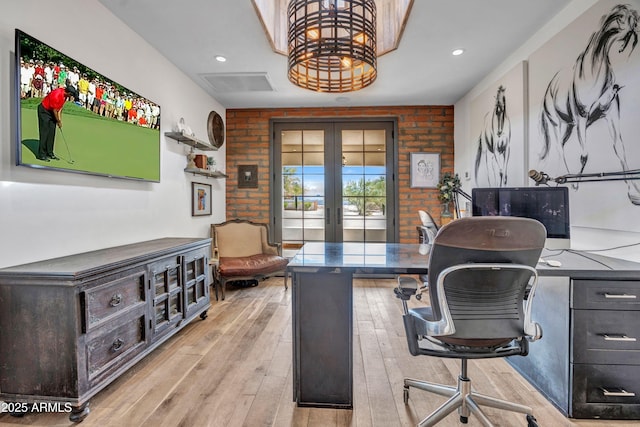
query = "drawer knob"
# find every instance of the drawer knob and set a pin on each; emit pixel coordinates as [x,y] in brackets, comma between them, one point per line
[622,337]
[115,300]
[616,392]
[607,295]
[117,345]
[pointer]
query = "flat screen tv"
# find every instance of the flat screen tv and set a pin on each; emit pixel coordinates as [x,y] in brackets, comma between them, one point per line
[108,130]
[549,205]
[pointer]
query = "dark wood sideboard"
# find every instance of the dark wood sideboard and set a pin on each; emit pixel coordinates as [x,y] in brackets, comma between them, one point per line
[71,325]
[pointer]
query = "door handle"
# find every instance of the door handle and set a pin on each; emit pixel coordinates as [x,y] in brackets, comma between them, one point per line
[328,216]
[338,216]
[621,337]
[617,392]
[607,295]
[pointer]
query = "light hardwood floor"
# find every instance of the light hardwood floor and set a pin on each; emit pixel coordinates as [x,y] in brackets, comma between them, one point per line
[234,369]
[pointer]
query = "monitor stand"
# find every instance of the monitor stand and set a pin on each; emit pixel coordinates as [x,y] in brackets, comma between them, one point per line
[557,244]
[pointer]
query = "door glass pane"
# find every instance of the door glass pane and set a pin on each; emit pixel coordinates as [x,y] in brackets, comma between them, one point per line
[303,188]
[364,185]
[173,277]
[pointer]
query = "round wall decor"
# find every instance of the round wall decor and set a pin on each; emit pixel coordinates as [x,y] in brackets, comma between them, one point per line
[215,129]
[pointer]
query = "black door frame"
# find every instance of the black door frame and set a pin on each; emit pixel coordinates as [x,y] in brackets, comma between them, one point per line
[391,159]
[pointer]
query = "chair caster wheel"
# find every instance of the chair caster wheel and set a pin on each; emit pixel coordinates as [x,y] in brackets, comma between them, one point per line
[405,395]
[464,420]
[531,421]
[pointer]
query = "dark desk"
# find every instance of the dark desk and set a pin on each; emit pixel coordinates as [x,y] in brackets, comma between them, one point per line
[322,307]
[566,303]
[588,361]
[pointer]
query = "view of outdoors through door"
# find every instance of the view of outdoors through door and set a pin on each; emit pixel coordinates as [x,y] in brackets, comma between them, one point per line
[364,186]
[334,184]
[303,188]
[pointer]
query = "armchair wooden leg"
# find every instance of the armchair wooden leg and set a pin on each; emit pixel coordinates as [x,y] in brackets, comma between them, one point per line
[215,282]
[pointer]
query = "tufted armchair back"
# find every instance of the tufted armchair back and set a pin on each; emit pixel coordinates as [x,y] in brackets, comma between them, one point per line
[241,238]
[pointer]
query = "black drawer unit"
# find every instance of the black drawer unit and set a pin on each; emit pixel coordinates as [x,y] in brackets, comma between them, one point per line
[588,360]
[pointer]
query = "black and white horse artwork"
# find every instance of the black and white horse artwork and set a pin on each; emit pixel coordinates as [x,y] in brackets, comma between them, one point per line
[492,157]
[577,97]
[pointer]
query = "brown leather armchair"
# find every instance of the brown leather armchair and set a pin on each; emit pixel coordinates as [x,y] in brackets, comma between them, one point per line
[242,251]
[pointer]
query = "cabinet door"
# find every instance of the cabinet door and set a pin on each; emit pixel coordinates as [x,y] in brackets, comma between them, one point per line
[196,280]
[167,293]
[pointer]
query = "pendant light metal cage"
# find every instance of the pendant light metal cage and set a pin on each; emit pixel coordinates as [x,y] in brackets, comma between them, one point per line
[332,44]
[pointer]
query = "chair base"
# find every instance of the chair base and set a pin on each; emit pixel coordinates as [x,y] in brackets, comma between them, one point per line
[463,399]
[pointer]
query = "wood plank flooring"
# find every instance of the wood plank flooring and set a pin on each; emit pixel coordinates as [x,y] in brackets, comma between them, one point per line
[234,369]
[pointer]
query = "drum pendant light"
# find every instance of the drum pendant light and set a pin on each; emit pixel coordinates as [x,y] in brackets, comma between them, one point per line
[332,44]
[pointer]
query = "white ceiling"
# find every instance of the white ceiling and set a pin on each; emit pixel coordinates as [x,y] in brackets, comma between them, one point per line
[421,71]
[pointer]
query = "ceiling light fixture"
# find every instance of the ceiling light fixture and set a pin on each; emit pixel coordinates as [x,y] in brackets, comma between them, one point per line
[332,44]
[457,52]
[220,58]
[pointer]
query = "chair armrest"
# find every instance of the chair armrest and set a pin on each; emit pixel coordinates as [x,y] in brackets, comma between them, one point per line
[531,328]
[215,256]
[272,248]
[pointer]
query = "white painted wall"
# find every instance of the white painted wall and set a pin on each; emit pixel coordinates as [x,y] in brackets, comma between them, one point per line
[582,238]
[45,214]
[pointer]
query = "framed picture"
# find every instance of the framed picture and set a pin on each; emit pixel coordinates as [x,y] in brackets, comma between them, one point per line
[497,120]
[200,199]
[603,137]
[425,170]
[247,176]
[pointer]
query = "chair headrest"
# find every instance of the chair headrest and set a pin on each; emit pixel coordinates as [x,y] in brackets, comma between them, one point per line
[493,234]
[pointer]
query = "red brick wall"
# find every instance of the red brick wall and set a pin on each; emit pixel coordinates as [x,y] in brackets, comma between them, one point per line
[420,129]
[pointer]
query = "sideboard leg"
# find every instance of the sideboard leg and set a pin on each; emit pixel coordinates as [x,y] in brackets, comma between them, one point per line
[79,413]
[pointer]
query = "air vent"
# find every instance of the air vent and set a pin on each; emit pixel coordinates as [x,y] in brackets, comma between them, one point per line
[238,82]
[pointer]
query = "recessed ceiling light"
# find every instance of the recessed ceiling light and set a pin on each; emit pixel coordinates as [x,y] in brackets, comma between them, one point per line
[220,58]
[457,52]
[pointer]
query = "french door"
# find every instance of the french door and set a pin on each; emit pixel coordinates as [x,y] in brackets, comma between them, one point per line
[333,182]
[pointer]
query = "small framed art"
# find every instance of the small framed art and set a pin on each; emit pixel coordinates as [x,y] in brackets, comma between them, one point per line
[425,170]
[200,199]
[247,176]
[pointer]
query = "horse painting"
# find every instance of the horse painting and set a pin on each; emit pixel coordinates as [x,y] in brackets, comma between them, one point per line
[576,98]
[492,156]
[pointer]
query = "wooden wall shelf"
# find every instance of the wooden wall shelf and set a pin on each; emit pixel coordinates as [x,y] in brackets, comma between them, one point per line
[190,140]
[206,172]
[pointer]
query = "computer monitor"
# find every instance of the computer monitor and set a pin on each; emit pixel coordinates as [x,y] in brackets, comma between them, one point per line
[549,205]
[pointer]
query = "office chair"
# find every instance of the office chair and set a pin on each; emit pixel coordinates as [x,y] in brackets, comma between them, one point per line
[429,228]
[428,231]
[483,280]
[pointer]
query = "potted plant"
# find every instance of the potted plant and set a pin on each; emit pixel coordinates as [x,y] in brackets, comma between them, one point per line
[447,187]
[211,163]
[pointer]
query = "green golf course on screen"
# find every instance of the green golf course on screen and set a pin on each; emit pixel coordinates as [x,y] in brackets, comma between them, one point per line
[106,128]
[93,144]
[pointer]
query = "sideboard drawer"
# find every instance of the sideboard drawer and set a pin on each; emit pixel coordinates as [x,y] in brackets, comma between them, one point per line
[608,337]
[606,294]
[114,344]
[113,297]
[606,391]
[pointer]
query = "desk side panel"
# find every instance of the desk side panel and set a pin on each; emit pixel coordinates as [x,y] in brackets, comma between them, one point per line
[323,307]
[547,365]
